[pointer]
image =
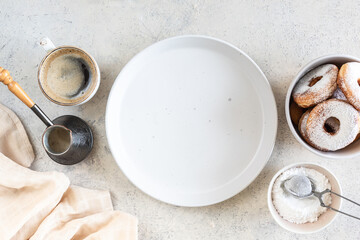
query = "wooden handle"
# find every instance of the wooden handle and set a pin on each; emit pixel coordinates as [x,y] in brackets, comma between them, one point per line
[15,88]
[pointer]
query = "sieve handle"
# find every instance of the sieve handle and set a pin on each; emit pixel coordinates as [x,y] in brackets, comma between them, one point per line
[319,195]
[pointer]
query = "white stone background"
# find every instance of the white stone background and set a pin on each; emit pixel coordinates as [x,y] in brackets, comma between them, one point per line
[281,36]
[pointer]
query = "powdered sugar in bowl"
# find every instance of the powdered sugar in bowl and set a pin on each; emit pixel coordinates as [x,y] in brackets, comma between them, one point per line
[314,223]
[350,151]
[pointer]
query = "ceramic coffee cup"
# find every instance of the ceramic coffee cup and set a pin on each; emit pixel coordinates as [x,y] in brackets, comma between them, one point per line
[67,75]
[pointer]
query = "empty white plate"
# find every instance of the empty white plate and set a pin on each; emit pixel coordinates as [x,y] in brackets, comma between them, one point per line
[191,120]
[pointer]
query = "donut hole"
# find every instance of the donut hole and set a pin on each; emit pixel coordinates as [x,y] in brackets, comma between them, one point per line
[358,81]
[332,125]
[314,80]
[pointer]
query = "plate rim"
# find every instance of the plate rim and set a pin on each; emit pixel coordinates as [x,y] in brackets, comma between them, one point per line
[274,121]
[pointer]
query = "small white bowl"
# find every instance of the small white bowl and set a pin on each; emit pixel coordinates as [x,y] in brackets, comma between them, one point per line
[325,219]
[351,151]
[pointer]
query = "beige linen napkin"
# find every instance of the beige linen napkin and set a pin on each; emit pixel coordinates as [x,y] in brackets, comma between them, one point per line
[86,214]
[42,206]
[76,203]
[107,225]
[14,142]
[26,198]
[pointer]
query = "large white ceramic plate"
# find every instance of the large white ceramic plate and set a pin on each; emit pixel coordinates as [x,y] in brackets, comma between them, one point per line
[191,120]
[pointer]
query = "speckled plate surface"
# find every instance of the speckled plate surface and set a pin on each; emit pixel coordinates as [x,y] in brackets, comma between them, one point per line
[191,120]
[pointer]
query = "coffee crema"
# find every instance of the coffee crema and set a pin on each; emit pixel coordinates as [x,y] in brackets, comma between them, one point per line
[59,140]
[68,76]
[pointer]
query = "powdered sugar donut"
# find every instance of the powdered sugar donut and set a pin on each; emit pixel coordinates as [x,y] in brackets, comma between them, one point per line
[348,81]
[302,124]
[332,125]
[316,86]
[295,112]
[302,127]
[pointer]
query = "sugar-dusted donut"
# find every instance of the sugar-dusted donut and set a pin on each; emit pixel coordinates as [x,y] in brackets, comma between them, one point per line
[316,86]
[332,125]
[302,124]
[348,81]
[302,127]
[296,112]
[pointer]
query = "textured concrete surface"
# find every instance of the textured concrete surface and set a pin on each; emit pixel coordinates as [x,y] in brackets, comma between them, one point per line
[281,36]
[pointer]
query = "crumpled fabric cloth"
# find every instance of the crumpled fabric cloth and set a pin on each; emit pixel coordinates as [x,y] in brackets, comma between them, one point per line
[43,205]
[86,214]
[26,198]
[14,142]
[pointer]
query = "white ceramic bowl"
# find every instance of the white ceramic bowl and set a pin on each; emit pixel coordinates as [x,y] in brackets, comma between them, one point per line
[351,151]
[325,219]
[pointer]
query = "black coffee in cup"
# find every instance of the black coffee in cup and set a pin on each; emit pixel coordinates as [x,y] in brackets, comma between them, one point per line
[68,76]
